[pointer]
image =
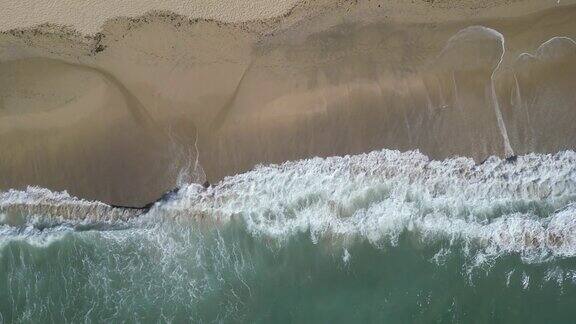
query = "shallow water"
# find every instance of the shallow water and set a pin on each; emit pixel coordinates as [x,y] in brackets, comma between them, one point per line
[384,236]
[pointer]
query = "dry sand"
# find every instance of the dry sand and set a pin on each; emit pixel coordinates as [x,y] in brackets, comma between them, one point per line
[121,115]
[88,16]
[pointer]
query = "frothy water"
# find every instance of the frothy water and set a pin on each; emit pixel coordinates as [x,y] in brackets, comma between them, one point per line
[382,236]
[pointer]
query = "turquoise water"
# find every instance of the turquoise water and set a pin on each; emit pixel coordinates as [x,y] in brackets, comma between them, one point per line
[379,237]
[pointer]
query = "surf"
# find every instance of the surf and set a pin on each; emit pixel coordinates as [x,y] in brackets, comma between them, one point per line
[318,235]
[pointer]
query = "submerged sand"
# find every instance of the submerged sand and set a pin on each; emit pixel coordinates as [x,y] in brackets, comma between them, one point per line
[125,114]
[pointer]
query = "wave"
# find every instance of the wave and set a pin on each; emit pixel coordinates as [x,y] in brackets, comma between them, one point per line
[276,242]
[523,205]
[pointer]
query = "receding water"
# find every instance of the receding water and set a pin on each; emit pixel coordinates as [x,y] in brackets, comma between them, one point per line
[378,237]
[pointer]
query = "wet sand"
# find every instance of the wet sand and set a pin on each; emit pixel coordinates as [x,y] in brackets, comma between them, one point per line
[125,114]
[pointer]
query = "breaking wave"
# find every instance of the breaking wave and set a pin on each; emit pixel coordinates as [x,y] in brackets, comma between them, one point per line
[390,231]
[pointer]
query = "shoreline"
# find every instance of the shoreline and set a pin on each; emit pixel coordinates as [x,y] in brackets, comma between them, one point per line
[153,101]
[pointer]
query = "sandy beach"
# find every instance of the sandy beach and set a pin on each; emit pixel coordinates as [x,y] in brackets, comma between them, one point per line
[124,103]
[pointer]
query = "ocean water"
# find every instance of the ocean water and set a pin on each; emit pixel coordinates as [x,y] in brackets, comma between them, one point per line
[386,236]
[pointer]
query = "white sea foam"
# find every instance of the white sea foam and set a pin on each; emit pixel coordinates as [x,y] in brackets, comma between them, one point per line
[499,207]
[40,206]
[523,206]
